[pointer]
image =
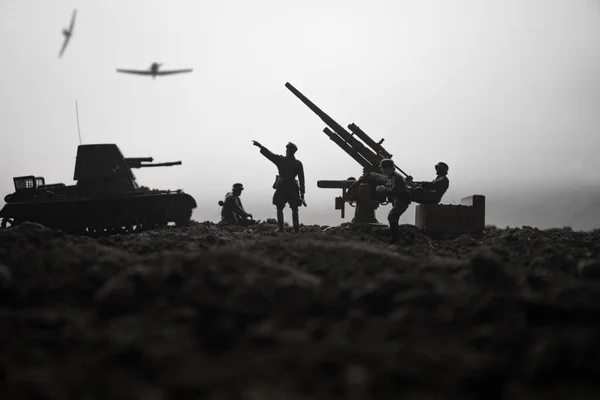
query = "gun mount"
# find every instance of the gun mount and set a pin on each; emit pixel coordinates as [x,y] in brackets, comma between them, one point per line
[366,152]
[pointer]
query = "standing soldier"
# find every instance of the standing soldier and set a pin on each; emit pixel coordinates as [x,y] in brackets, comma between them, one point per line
[233,212]
[286,187]
[394,186]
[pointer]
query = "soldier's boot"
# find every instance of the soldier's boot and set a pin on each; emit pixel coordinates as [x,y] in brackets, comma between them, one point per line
[296,220]
[280,219]
[393,233]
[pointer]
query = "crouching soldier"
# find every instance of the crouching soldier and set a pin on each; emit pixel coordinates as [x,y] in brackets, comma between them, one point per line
[394,187]
[233,212]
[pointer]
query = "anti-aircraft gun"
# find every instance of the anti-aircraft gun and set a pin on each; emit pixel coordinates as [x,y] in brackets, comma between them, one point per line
[366,152]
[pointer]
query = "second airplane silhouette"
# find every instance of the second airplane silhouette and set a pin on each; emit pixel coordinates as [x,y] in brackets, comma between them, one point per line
[67,33]
[153,71]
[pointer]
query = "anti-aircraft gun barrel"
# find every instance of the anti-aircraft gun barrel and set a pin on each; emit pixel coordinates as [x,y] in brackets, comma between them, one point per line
[348,143]
[138,162]
[358,151]
[326,118]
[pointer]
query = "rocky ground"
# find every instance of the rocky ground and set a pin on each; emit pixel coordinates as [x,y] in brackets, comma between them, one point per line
[212,312]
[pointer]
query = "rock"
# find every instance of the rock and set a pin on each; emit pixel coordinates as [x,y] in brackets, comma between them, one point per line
[117,296]
[465,240]
[30,231]
[589,269]
[488,271]
[356,379]
[5,277]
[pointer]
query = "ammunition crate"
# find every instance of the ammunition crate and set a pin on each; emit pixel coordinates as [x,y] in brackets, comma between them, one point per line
[452,220]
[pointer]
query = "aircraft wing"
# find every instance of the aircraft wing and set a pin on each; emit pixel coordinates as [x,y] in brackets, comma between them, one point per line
[174,71]
[134,71]
[64,46]
[73,21]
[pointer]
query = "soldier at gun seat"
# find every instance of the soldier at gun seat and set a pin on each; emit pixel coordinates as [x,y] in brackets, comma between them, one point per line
[233,212]
[394,187]
[288,190]
[430,192]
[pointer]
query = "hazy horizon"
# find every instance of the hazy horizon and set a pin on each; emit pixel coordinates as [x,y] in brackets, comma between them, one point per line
[505,91]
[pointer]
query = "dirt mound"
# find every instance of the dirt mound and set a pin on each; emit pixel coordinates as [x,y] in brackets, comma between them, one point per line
[212,311]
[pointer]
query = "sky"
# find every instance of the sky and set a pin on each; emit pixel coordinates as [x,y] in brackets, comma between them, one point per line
[506,92]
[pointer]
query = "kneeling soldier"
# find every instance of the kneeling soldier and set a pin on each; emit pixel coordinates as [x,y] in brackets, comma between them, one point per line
[233,212]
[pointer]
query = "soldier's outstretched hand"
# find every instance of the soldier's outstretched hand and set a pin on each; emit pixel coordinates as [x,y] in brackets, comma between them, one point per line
[254,142]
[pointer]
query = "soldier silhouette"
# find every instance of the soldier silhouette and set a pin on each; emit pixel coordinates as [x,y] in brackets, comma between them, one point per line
[288,190]
[233,212]
[394,187]
[430,192]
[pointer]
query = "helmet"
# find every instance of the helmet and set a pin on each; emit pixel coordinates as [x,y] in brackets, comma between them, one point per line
[292,146]
[386,163]
[238,186]
[443,166]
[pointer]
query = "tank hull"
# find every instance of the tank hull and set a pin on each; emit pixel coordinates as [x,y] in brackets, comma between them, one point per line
[126,213]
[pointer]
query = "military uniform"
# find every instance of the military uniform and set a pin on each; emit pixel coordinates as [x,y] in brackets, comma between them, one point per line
[432,192]
[288,190]
[232,211]
[395,188]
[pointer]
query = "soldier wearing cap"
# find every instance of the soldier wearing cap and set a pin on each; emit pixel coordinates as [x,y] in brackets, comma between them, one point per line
[394,186]
[233,212]
[288,190]
[430,192]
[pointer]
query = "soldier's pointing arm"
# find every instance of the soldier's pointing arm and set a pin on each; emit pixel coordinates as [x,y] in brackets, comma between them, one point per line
[274,158]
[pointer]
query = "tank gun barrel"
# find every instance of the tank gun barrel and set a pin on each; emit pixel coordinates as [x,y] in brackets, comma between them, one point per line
[165,164]
[139,162]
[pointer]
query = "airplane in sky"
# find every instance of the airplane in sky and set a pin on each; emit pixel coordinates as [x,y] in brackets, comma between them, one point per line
[68,33]
[153,70]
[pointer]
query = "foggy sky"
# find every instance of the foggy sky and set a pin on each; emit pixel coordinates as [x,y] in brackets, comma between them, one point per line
[504,91]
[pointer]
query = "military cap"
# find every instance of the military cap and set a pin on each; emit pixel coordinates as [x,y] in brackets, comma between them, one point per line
[443,166]
[238,186]
[292,146]
[386,163]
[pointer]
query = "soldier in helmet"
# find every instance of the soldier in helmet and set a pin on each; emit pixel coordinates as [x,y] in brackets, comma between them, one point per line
[430,192]
[233,212]
[396,190]
[288,190]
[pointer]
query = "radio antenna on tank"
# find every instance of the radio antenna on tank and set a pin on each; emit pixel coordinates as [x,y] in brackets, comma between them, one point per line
[77,114]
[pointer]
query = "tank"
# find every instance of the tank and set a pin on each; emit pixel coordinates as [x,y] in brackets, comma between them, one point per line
[106,198]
